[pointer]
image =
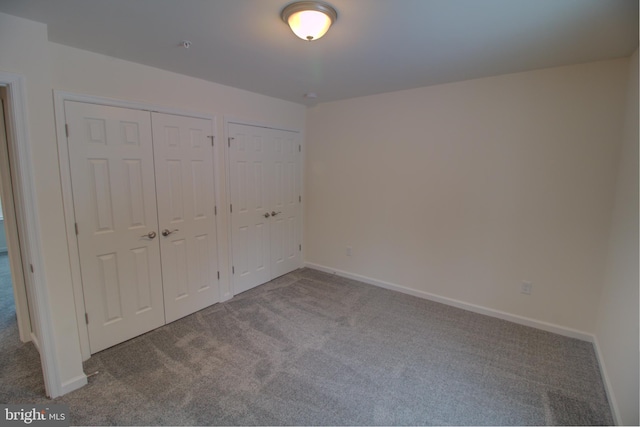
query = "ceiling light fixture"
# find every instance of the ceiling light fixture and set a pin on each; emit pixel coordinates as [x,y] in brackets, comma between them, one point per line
[309,20]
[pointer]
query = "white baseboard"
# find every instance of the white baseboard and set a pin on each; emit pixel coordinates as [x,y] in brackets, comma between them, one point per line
[69,386]
[526,321]
[613,404]
[521,320]
[35,341]
[73,384]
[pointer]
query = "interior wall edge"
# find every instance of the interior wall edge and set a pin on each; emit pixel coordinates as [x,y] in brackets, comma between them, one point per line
[73,384]
[608,386]
[521,320]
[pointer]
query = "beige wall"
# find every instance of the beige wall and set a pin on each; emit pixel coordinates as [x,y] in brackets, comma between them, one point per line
[464,190]
[25,51]
[46,66]
[460,190]
[617,328]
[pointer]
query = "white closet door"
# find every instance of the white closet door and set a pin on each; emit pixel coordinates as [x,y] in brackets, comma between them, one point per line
[249,158]
[265,218]
[185,182]
[285,202]
[112,174]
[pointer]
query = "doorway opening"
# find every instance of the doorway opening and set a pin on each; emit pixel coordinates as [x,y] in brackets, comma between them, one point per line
[12,277]
[16,326]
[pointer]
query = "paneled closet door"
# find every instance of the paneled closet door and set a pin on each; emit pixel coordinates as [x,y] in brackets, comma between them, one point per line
[249,159]
[285,201]
[186,201]
[114,195]
[265,204]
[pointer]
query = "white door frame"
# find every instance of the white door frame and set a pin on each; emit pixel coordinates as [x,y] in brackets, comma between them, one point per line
[9,210]
[25,195]
[67,196]
[227,160]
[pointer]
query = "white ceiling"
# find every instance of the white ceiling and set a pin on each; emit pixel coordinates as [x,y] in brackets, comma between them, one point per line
[375,46]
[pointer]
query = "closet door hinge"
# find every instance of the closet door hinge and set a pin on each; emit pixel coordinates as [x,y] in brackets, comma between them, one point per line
[299,199]
[215,210]
[86,318]
[31,267]
[212,138]
[233,270]
[76,227]
[218,275]
[300,248]
[66,129]
[229,141]
[231,208]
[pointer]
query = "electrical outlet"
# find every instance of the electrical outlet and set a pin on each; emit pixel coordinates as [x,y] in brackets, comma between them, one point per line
[526,288]
[349,250]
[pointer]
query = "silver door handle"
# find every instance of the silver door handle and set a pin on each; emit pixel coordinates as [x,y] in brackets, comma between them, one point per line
[150,235]
[166,232]
[266,215]
[274,213]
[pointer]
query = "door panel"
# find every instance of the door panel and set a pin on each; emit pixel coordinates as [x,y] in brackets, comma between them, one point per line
[286,184]
[111,157]
[264,179]
[186,203]
[250,232]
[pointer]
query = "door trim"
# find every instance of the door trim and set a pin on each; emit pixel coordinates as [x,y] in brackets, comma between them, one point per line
[227,200]
[10,210]
[67,195]
[24,192]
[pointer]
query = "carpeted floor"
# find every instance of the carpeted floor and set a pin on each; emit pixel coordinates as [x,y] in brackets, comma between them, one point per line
[7,305]
[310,348]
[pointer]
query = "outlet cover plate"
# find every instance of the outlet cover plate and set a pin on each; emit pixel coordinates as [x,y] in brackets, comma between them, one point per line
[526,288]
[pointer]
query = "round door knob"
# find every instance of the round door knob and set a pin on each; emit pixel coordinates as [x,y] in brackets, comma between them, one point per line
[266,215]
[149,235]
[166,232]
[274,213]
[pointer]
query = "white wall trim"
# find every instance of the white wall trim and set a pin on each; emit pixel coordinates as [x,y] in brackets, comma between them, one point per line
[34,340]
[73,384]
[521,320]
[69,219]
[217,200]
[255,123]
[134,105]
[11,213]
[613,404]
[545,326]
[227,177]
[25,191]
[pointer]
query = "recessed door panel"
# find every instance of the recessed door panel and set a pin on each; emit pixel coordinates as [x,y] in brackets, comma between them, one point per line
[134,193]
[199,184]
[202,274]
[110,288]
[142,279]
[101,194]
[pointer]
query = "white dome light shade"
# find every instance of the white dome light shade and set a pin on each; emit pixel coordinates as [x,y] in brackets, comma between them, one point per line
[309,24]
[309,20]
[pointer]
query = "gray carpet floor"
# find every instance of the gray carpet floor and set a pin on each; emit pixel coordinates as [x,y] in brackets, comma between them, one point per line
[311,348]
